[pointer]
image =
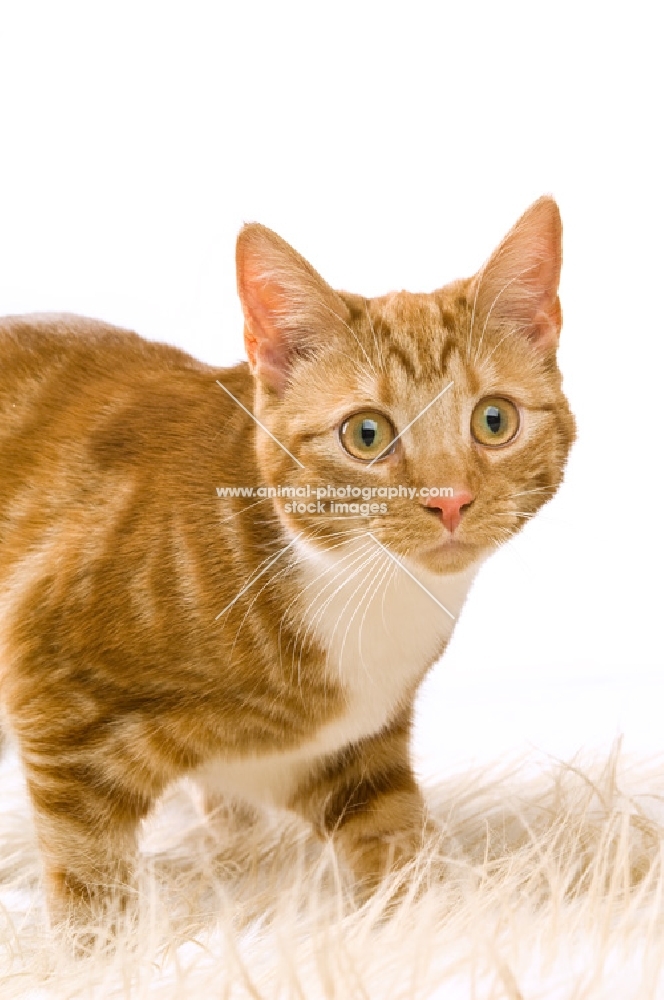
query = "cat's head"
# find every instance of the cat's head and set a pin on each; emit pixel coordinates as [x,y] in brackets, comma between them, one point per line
[453,390]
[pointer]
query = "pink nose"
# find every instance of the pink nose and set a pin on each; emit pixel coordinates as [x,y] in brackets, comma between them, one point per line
[451,508]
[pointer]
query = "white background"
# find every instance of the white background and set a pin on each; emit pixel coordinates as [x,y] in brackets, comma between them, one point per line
[393,145]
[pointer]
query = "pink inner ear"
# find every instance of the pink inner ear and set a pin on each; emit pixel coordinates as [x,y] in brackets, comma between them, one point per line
[264,304]
[263,336]
[544,330]
[267,359]
[287,306]
[519,283]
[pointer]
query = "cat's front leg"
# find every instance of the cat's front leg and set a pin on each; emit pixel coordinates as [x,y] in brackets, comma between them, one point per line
[367,798]
[87,834]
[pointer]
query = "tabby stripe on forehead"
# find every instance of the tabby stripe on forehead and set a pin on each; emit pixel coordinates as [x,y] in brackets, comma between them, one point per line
[448,347]
[406,360]
[418,363]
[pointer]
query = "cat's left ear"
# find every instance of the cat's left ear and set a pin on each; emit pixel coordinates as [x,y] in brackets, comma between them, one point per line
[289,310]
[518,286]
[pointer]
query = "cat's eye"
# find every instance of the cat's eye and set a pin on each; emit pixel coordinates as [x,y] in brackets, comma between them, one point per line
[367,435]
[495,421]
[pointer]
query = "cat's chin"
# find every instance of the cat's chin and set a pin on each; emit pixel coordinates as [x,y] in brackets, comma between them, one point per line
[448,557]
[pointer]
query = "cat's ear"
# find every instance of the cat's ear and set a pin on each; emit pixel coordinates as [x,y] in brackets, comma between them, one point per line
[518,286]
[288,309]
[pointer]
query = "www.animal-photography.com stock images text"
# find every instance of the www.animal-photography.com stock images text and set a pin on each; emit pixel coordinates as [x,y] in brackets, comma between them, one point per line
[331,662]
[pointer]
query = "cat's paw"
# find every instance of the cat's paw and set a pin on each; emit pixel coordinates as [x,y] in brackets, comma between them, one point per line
[394,866]
[89,916]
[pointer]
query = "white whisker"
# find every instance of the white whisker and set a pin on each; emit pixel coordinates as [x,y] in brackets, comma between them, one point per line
[387,568]
[242,510]
[367,563]
[349,559]
[257,576]
[413,578]
[507,284]
[472,315]
[353,334]
[378,346]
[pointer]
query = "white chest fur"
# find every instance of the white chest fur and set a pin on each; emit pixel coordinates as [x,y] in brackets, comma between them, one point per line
[381,627]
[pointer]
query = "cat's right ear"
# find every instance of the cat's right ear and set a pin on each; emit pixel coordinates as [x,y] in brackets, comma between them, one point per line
[288,309]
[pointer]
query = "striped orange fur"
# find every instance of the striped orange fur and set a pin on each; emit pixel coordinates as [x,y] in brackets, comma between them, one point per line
[150,628]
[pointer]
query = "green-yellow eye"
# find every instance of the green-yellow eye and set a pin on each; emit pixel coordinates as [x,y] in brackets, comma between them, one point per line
[367,435]
[495,421]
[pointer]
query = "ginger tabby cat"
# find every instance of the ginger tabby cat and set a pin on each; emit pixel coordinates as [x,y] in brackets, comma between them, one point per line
[151,627]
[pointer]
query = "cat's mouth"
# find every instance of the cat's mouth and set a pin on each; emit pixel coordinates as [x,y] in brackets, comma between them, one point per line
[451,545]
[450,554]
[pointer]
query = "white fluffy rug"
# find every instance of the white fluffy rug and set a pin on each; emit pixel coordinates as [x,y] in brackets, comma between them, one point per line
[553,889]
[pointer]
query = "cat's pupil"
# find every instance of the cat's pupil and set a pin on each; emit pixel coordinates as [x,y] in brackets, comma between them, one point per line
[493,419]
[368,432]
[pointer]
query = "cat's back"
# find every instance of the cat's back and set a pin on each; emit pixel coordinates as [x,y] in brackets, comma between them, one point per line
[67,383]
[33,346]
[86,407]
[56,365]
